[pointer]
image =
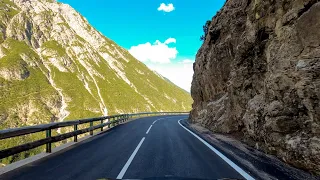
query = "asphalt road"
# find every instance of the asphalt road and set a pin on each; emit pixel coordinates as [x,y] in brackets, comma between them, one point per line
[145,148]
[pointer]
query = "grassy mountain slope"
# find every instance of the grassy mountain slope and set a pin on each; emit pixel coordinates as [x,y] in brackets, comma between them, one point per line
[54,66]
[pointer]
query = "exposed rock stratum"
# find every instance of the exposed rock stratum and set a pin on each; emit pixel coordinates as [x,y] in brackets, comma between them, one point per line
[55,66]
[257,77]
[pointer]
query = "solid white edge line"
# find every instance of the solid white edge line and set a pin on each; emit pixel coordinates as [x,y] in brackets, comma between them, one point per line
[149,129]
[126,166]
[227,160]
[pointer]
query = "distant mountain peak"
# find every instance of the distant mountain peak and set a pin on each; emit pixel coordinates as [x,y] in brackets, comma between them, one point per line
[55,66]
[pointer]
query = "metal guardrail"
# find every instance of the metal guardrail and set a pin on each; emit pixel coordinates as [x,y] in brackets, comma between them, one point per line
[111,122]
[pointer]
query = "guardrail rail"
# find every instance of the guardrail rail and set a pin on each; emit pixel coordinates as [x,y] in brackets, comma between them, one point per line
[110,121]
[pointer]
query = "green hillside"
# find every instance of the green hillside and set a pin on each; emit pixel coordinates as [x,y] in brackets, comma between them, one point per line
[55,67]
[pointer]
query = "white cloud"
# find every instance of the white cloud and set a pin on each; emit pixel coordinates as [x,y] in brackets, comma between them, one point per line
[166,8]
[157,52]
[187,61]
[158,56]
[180,73]
[170,40]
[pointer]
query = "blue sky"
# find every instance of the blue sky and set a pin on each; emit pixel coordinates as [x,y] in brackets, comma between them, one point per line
[171,31]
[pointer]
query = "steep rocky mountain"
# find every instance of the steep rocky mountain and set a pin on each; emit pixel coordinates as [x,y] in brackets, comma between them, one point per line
[55,66]
[257,77]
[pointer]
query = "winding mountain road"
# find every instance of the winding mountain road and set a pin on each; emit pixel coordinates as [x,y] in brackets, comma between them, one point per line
[144,148]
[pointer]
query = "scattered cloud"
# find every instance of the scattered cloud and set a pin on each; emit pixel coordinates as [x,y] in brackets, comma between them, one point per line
[170,40]
[157,52]
[159,57]
[187,61]
[180,73]
[166,8]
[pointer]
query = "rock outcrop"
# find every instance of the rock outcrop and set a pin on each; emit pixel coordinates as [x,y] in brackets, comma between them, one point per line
[55,66]
[257,77]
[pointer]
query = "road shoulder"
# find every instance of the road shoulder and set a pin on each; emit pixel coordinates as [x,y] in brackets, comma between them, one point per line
[259,164]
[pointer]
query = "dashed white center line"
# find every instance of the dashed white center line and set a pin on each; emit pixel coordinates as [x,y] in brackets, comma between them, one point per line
[149,129]
[126,166]
[160,119]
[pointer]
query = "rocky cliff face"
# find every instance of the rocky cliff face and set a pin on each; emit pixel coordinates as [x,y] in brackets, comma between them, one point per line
[54,66]
[257,76]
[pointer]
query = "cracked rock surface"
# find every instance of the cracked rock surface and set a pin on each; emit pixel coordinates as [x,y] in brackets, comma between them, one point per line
[257,77]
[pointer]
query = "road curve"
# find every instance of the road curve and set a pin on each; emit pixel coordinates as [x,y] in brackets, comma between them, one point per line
[145,148]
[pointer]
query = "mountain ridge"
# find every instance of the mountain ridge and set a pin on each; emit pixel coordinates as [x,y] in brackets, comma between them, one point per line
[68,70]
[54,66]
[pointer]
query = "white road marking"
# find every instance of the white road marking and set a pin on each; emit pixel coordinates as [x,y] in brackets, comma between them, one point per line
[126,166]
[162,118]
[149,129]
[227,160]
[156,121]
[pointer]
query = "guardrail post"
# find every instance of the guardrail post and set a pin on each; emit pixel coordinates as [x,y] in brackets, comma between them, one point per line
[109,121]
[113,119]
[91,131]
[48,145]
[75,128]
[102,123]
